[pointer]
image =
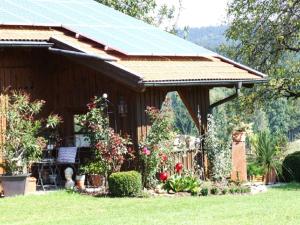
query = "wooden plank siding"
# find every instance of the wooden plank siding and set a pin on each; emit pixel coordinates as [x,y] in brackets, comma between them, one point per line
[187,158]
[67,86]
[152,97]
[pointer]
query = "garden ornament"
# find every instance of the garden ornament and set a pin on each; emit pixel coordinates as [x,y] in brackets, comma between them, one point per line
[68,175]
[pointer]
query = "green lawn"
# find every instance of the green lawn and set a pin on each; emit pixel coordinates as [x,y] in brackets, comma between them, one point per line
[277,206]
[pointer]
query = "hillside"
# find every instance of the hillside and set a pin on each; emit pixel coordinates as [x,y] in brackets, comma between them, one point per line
[208,37]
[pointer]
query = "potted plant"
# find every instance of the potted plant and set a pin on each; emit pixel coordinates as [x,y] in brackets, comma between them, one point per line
[80,178]
[109,149]
[95,173]
[22,140]
[240,130]
[268,154]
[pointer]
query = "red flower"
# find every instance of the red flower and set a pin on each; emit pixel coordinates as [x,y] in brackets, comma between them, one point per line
[163,176]
[178,167]
[164,157]
[91,105]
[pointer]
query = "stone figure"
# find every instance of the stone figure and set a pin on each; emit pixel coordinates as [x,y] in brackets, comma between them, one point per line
[68,175]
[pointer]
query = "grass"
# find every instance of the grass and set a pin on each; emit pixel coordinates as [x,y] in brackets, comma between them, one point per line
[278,206]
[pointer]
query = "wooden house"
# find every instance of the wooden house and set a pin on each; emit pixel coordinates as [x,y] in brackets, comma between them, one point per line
[66,52]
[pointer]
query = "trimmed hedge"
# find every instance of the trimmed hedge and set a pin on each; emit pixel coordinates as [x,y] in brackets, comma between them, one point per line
[291,167]
[123,184]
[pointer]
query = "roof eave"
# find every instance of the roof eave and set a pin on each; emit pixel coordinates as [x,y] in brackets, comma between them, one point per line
[25,44]
[241,66]
[200,83]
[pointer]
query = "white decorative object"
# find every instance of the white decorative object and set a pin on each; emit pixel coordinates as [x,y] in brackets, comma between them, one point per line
[68,175]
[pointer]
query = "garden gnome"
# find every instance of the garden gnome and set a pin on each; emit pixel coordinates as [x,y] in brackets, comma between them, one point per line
[68,175]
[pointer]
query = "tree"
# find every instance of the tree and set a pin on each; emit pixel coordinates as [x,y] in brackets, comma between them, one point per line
[146,10]
[265,35]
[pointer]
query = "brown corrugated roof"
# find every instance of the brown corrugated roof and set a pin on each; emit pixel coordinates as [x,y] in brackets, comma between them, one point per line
[152,71]
[44,34]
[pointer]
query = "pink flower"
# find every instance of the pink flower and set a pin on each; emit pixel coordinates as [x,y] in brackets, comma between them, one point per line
[146,151]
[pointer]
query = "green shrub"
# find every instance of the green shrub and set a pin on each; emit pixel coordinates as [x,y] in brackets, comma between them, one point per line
[238,190]
[225,190]
[253,169]
[204,191]
[214,191]
[180,183]
[291,167]
[125,183]
[245,189]
[233,189]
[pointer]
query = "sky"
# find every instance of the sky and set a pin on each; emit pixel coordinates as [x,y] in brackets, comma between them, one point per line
[199,13]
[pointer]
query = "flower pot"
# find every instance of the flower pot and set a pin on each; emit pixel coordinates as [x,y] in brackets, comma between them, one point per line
[14,185]
[31,188]
[238,136]
[80,179]
[271,177]
[96,180]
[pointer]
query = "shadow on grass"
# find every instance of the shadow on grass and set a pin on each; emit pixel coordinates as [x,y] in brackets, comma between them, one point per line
[293,186]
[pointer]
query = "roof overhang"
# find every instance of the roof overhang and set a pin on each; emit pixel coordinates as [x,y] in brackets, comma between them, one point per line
[245,83]
[25,44]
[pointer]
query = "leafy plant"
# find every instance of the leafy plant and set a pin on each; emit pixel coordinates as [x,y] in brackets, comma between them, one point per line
[224,190]
[109,148]
[125,184]
[156,148]
[204,191]
[268,151]
[232,189]
[214,191]
[253,169]
[181,183]
[23,140]
[245,189]
[218,152]
[92,168]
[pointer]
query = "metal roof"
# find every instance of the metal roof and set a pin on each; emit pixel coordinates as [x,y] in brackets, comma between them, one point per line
[100,24]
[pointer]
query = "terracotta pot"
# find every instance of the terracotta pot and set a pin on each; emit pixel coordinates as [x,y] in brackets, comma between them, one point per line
[271,177]
[238,136]
[31,185]
[96,180]
[80,179]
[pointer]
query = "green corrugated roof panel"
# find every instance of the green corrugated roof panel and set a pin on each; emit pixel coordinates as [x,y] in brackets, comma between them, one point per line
[101,24]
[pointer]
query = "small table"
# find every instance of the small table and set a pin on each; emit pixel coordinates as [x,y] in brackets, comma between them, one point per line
[46,165]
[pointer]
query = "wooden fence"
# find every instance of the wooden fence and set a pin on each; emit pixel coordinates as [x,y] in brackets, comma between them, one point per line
[187,158]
